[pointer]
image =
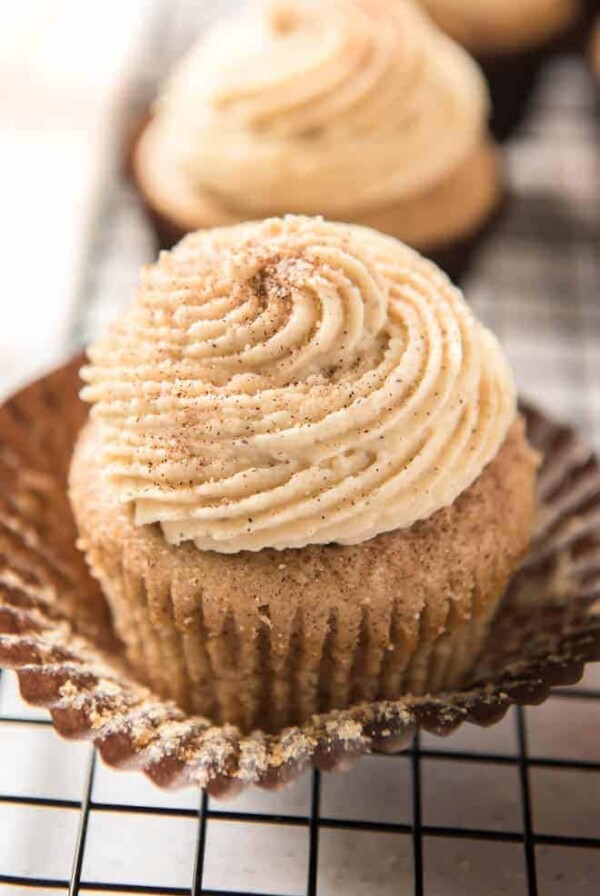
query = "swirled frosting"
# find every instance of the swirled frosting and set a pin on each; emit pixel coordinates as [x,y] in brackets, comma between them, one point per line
[293,381]
[503,25]
[319,107]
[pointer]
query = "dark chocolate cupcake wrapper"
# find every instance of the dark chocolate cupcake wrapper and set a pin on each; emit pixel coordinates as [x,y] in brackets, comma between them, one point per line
[513,77]
[592,8]
[593,61]
[55,629]
[457,258]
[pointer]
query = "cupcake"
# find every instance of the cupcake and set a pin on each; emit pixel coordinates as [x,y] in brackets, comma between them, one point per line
[304,483]
[511,40]
[360,110]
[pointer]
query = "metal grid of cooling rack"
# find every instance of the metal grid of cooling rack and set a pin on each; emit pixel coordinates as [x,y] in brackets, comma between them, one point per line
[514,810]
[520,847]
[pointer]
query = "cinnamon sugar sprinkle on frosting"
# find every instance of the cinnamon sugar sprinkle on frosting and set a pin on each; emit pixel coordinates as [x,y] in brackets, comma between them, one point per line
[293,381]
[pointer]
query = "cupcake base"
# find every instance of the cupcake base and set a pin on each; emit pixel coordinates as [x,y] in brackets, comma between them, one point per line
[547,627]
[269,639]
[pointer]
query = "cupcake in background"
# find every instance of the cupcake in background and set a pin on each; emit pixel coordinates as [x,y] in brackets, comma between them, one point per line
[360,110]
[511,40]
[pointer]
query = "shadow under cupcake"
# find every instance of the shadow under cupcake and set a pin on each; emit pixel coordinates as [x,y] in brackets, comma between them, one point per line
[360,110]
[512,40]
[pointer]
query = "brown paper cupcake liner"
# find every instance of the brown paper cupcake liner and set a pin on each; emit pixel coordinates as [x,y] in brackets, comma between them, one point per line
[55,629]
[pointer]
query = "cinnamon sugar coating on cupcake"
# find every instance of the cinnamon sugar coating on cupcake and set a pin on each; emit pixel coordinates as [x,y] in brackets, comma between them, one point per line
[268,639]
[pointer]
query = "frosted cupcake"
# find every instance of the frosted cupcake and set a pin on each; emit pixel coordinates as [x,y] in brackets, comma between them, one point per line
[304,483]
[511,39]
[360,110]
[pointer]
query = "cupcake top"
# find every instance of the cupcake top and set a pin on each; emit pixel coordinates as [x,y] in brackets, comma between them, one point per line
[292,382]
[318,106]
[496,26]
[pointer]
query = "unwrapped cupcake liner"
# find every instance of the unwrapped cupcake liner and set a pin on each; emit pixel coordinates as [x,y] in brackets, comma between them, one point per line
[55,628]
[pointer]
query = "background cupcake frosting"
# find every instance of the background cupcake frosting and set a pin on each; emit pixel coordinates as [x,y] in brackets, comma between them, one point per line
[294,382]
[334,108]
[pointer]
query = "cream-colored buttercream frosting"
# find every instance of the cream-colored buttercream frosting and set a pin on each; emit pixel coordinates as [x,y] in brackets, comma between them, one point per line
[293,381]
[329,107]
[492,26]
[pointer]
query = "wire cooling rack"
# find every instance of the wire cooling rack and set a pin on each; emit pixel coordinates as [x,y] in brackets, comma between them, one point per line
[512,810]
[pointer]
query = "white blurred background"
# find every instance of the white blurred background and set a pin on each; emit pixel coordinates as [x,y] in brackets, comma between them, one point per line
[62,73]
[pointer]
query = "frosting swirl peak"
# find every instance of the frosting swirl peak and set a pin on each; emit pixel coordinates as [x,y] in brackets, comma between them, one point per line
[319,106]
[293,381]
